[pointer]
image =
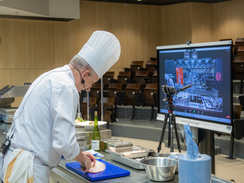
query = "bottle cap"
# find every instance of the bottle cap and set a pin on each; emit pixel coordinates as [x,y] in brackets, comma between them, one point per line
[96,113]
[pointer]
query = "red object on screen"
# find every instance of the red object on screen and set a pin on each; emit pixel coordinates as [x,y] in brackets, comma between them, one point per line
[179,75]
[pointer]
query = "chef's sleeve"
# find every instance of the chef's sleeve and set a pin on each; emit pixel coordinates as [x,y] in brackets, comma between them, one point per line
[63,106]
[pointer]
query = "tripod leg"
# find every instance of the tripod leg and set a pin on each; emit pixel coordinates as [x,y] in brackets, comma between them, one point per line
[162,134]
[171,145]
[176,133]
[169,132]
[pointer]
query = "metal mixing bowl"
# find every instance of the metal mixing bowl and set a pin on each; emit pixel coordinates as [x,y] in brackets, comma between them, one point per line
[160,169]
[173,155]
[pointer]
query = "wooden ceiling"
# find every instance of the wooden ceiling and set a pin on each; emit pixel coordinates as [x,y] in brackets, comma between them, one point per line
[160,2]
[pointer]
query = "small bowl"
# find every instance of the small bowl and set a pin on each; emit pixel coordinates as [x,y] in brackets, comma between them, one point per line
[173,155]
[160,169]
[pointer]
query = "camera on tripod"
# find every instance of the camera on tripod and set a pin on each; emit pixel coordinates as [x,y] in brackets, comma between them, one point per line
[168,89]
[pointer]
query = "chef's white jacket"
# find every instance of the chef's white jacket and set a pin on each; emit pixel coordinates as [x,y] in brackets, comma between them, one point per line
[44,123]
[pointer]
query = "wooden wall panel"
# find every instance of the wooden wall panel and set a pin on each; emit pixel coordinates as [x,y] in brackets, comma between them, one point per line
[202,22]
[12,77]
[19,76]
[26,44]
[239,19]
[176,24]
[228,20]
[223,16]
[3,44]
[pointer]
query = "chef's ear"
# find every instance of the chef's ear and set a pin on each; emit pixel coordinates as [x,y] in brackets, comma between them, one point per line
[86,73]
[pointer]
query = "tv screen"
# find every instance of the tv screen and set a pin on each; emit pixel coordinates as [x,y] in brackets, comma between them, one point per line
[207,68]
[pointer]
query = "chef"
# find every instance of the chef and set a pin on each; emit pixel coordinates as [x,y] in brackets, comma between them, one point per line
[43,127]
[169,80]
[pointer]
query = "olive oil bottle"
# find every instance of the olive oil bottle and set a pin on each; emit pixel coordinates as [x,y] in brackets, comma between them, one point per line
[96,137]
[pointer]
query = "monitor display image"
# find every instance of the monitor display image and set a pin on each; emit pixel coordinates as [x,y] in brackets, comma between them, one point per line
[207,68]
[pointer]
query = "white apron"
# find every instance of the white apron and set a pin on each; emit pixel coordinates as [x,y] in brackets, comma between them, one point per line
[41,172]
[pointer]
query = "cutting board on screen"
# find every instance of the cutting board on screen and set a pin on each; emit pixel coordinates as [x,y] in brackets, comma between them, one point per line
[111,171]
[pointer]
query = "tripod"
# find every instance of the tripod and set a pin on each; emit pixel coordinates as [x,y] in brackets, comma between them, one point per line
[170,91]
[171,116]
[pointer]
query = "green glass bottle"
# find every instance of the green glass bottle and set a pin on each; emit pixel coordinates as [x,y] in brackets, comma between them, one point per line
[96,137]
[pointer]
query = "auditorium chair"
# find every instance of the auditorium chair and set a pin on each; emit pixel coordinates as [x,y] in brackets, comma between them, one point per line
[241,100]
[238,70]
[238,128]
[143,69]
[92,105]
[155,77]
[113,90]
[113,81]
[135,66]
[240,51]
[130,90]
[149,90]
[140,77]
[95,91]
[130,81]
[239,42]
[106,78]
[152,58]
[108,110]
[122,78]
[151,67]
[137,63]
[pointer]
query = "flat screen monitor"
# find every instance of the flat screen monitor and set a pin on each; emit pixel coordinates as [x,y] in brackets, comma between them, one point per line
[207,68]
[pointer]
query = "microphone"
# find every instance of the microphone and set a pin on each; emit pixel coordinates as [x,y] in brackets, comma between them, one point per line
[185,87]
[82,81]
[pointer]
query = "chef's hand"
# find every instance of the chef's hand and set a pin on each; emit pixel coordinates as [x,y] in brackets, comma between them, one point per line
[85,159]
[92,158]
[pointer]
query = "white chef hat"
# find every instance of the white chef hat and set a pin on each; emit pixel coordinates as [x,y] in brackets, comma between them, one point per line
[101,51]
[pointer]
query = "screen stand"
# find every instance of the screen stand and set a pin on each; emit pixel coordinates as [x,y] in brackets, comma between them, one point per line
[231,148]
[206,145]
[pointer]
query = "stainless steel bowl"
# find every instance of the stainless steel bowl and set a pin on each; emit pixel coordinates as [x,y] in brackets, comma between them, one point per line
[173,155]
[160,169]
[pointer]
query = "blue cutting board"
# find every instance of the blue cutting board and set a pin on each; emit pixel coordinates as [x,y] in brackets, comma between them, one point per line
[111,171]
